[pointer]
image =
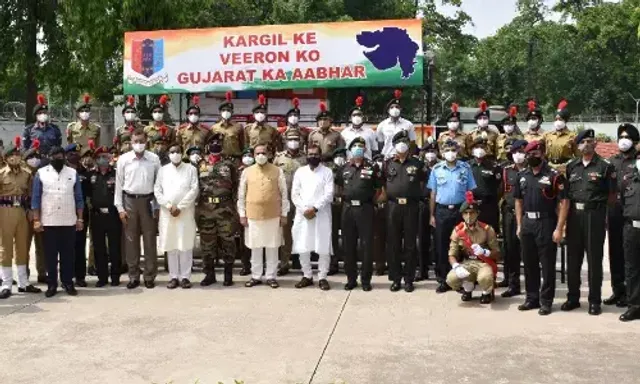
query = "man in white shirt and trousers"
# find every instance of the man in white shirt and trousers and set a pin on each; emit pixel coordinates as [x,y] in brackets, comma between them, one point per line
[312,194]
[136,173]
[263,204]
[176,190]
[392,125]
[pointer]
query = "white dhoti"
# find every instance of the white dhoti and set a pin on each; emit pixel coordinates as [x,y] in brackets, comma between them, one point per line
[180,263]
[263,233]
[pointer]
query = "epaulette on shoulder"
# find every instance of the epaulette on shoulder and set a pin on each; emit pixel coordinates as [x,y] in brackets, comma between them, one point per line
[573,162]
[439,164]
[606,160]
[509,166]
[183,125]
[482,225]
[460,226]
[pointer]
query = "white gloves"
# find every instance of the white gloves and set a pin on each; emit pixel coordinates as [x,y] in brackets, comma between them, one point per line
[461,272]
[479,251]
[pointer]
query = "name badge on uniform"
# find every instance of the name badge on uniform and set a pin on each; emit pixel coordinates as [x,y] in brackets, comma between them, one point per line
[402,201]
[104,210]
[16,203]
[636,223]
[545,180]
[355,203]
[93,179]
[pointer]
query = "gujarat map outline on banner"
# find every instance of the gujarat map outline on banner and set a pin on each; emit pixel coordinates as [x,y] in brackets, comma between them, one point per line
[376,53]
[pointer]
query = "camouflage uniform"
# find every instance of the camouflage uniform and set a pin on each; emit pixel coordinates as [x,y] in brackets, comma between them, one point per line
[190,135]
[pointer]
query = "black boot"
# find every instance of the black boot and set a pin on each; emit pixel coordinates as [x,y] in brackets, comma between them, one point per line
[228,275]
[209,279]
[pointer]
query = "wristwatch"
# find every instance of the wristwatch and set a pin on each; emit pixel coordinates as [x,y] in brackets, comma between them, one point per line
[315,209]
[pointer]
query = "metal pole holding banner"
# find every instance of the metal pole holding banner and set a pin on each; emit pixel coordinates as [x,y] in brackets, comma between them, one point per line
[637,105]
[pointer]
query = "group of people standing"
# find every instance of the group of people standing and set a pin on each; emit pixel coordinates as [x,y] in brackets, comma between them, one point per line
[351,194]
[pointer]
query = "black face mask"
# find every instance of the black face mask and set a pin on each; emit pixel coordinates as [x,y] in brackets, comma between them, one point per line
[534,161]
[57,164]
[215,148]
[313,161]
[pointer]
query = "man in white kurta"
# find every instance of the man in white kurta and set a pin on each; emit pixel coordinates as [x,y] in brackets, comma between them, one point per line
[312,194]
[176,190]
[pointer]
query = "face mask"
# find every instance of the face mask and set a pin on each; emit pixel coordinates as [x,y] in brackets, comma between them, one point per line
[175,158]
[483,123]
[259,117]
[261,159]
[470,218]
[293,144]
[247,160]
[215,148]
[102,162]
[518,158]
[357,152]
[532,124]
[401,147]
[84,115]
[625,144]
[508,129]
[42,118]
[430,156]
[356,120]
[157,116]
[339,161]
[450,156]
[129,116]
[293,120]
[313,161]
[479,153]
[195,158]
[88,163]
[33,162]
[225,115]
[138,147]
[193,119]
[534,161]
[394,112]
[453,125]
[57,164]
[559,125]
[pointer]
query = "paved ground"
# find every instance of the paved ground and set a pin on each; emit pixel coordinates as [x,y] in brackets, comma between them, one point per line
[261,335]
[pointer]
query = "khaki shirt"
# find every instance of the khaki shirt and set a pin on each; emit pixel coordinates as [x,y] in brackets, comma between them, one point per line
[530,135]
[489,135]
[328,141]
[500,144]
[481,234]
[234,140]
[151,130]
[560,146]
[78,134]
[460,138]
[189,135]
[15,182]
[289,165]
[255,134]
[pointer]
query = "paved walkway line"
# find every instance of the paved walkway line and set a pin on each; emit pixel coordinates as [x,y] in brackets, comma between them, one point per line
[18,309]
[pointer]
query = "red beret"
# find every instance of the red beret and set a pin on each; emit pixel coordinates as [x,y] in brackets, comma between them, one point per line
[101,150]
[533,145]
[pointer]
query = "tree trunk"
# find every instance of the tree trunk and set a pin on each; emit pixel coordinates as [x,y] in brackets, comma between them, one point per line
[30,36]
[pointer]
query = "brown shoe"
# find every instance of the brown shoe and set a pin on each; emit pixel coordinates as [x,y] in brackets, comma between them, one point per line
[173,284]
[305,282]
[185,284]
[324,285]
[273,283]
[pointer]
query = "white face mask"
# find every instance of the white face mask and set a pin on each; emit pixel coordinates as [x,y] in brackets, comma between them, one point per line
[518,157]
[84,115]
[157,116]
[175,158]
[247,160]
[401,147]
[293,144]
[42,117]
[138,147]
[430,156]
[356,120]
[508,129]
[259,117]
[195,158]
[559,125]
[533,123]
[225,115]
[129,116]
[638,164]
[261,159]
[479,153]
[625,144]
[453,125]
[293,120]
[33,162]
[450,156]
[483,123]
[194,119]
[394,112]
[339,161]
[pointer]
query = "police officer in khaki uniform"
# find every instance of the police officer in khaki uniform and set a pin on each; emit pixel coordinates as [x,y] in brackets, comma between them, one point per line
[131,123]
[83,130]
[234,139]
[260,132]
[483,131]
[534,120]
[157,113]
[192,132]
[560,142]
[511,132]
[324,136]
[454,132]
[293,118]
[289,161]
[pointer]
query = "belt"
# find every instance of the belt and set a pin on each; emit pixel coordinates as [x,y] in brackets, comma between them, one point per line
[13,201]
[537,215]
[137,196]
[403,200]
[357,203]
[216,199]
[588,206]
[634,223]
[451,207]
[103,210]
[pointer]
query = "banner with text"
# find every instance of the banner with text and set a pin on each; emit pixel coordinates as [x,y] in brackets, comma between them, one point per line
[377,53]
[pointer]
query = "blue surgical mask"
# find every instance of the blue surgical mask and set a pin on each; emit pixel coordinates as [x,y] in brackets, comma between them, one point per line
[357,152]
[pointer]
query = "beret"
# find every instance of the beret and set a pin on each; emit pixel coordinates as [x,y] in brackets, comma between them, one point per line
[339,152]
[400,136]
[518,144]
[71,147]
[192,149]
[533,145]
[357,140]
[586,134]
[450,144]
[247,151]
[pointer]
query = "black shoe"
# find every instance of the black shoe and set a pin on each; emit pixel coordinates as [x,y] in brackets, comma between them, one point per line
[503,284]
[367,287]
[350,285]
[611,300]
[570,305]
[304,282]
[442,288]
[5,293]
[486,298]
[421,275]
[283,271]
[185,284]
[622,302]
[528,305]
[544,310]
[208,280]
[273,283]
[252,283]
[408,287]
[630,315]
[466,296]
[91,271]
[42,279]
[595,309]
[51,291]
[511,292]
[81,283]
[173,284]
[132,284]
[245,271]
[324,285]
[115,282]
[149,284]
[70,289]
[395,287]
[101,283]
[227,282]
[332,271]
[29,289]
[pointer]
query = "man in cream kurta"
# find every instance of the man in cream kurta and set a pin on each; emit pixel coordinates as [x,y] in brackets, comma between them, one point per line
[312,194]
[263,205]
[176,189]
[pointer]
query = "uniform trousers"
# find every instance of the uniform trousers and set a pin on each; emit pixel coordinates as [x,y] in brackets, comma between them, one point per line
[106,228]
[357,224]
[140,221]
[424,239]
[446,221]
[402,233]
[380,237]
[36,238]
[512,255]
[13,230]
[539,250]
[180,264]
[632,263]
[489,213]
[585,232]
[323,265]
[257,264]
[80,267]
[336,226]
[479,272]
[615,225]
[59,242]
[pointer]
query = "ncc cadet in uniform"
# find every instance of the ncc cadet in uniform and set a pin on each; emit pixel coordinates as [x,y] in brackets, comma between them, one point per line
[216,215]
[289,161]
[511,253]
[541,212]
[233,133]
[534,120]
[630,199]
[511,132]
[454,132]
[245,253]
[131,123]
[404,184]
[192,133]
[324,136]
[336,162]
[293,118]
[591,187]
[560,143]
[483,131]
[361,182]
[473,252]
[160,145]
[47,133]
[83,130]
[624,164]
[429,157]
[260,132]
[15,190]
[448,182]
[379,227]
[106,227]
[488,176]
[157,114]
